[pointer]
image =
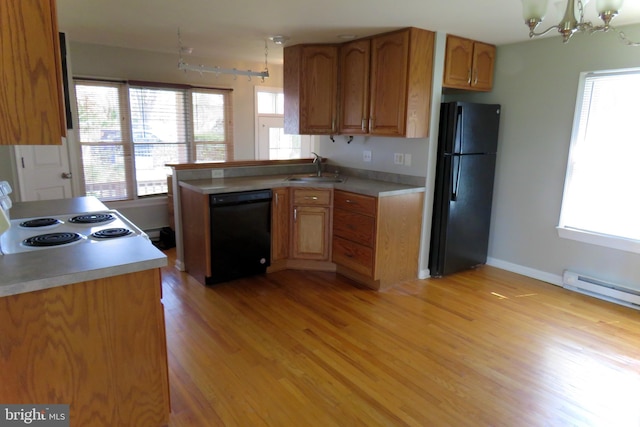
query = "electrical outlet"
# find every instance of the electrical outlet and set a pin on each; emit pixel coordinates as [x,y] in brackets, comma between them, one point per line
[407,159]
[217,173]
[366,156]
[398,158]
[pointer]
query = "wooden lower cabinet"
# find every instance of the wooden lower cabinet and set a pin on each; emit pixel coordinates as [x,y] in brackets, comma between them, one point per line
[280,225]
[196,233]
[376,241]
[311,227]
[99,346]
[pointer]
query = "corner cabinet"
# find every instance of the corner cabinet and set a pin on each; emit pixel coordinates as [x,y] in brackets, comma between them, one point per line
[310,89]
[376,240]
[385,84]
[355,62]
[31,99]
[468,64]
[311,227]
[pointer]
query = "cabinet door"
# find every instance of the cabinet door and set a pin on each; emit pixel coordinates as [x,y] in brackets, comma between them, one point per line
[483,59]
[311,232]
[280,224]
[318,97]
[354,87]
[458,60]
[31,108]
[389,64]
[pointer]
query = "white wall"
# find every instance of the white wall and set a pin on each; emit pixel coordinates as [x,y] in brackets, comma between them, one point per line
[90,60]
[536,82]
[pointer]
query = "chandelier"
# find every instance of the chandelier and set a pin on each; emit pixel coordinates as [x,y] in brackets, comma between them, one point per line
[533,12]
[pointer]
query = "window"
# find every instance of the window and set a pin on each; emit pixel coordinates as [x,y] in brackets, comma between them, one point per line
[601,203]
[272,143]
[128,132]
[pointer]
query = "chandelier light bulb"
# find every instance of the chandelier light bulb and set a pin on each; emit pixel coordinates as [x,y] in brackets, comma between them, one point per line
[603,6]
[534,9]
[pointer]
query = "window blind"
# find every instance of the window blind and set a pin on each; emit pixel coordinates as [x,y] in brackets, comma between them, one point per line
[129,132]
[602,174]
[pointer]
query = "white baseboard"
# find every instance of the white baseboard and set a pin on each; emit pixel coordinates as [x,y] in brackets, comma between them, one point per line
[554,279]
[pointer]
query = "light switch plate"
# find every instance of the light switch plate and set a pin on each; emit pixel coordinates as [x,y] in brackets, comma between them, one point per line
[398,159]
[217,173]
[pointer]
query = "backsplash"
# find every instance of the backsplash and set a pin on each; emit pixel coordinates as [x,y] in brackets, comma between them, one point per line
[328,167]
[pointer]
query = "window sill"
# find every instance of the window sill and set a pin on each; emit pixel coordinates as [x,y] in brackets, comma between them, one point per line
[613,242]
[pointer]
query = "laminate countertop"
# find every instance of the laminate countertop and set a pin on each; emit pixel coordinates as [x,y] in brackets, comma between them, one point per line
[43,269]
[367,187]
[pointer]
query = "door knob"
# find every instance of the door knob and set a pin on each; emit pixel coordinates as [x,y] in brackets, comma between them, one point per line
[66,175]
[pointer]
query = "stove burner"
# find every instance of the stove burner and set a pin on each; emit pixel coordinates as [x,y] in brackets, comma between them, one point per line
[92,218]
[40,222]
[110,233]
[51,239]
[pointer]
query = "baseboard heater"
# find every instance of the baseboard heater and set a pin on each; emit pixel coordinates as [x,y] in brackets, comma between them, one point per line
[600,289]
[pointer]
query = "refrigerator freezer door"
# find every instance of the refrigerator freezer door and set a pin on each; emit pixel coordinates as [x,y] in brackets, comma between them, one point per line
[470,128]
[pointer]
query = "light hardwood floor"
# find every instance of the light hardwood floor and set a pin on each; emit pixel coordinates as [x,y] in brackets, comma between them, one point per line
[481,348]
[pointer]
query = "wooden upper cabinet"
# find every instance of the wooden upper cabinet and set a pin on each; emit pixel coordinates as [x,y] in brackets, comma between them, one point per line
[310,89]
[484,56]
[468,64]
[400,87]
[31,98]
[355,60]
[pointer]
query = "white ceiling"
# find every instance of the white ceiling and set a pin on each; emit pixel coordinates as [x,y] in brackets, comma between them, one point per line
[237,29]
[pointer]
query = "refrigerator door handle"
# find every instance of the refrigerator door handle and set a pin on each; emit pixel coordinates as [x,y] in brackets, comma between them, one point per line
[459,135]
[457,161]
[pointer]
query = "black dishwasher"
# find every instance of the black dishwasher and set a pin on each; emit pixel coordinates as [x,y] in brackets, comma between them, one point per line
[240,234]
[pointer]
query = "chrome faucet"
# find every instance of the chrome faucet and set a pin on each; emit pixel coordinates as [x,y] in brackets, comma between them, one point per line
[318,162]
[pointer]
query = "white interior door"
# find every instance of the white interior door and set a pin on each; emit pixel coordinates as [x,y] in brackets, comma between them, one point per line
[273,144]
[43,171]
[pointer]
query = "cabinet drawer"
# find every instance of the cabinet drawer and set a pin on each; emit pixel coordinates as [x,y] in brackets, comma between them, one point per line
[354,256]
[355,202]
[354,226]
[311,196]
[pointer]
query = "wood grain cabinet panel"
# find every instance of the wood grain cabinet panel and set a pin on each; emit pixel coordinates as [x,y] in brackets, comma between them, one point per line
[311,227]
[385,86]
[310,89]
[376,241]
[196,233]
[280,215]
[468,64]
[31,99]
[355,61]
[99,346]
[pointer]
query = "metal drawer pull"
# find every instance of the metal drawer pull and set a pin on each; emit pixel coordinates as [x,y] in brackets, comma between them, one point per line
[311,197]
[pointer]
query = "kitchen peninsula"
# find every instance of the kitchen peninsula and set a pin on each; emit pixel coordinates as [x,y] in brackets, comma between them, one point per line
[370,234]
[84,325]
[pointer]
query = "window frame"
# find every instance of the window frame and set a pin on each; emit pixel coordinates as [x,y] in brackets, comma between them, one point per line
[582,235]
[127,137]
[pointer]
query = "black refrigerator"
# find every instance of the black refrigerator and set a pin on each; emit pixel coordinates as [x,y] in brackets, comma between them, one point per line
[467,146]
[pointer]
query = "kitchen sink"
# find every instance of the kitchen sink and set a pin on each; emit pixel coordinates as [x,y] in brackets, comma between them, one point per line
[316,178]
